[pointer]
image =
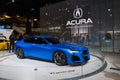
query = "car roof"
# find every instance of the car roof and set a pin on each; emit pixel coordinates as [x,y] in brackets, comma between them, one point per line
[3,37]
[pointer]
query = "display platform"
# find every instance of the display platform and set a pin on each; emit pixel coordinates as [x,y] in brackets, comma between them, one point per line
[12,68]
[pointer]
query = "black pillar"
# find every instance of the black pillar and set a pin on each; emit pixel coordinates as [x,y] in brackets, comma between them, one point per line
[28,24]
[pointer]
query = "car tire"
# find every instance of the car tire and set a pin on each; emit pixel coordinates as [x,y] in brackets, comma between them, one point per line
[60,58]
[20,53]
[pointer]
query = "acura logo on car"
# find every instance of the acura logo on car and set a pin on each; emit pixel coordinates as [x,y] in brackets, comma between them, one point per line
[77,13]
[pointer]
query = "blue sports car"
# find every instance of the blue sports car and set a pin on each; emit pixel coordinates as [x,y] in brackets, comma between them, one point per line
[52,49]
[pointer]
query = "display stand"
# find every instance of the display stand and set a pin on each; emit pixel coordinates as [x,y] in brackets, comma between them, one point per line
[30,69]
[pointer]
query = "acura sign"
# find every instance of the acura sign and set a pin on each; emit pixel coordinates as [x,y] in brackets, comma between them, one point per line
[77,14]
[80,21]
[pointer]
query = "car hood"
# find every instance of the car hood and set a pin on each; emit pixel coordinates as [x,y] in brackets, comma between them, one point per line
[71,46]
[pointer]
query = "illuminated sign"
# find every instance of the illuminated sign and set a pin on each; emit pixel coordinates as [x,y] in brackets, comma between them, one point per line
[78,13]
[1,27]
[54,28]
[5,27]
[80,21]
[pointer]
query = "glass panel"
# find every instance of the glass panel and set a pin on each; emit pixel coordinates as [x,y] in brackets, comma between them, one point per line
[116,26]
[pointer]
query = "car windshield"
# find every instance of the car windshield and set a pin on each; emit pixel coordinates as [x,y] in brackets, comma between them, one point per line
[53,40]
[1,40]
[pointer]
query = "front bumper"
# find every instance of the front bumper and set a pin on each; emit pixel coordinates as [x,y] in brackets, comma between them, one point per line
[80,57]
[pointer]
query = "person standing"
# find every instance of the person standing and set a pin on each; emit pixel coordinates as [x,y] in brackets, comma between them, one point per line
[12,42]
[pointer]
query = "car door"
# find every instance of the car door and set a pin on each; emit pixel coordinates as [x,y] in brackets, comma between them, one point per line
[3,44]
[28,47]
[42,49]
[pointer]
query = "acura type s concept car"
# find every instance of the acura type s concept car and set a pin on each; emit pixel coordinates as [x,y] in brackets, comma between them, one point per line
[51,49]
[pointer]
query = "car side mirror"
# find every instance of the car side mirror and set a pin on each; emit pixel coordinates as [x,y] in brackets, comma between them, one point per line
[61,40]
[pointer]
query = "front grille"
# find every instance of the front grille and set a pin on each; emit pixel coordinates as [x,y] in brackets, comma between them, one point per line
[85,52]
[75,58]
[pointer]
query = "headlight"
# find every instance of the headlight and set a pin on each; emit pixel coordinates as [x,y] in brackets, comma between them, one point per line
[74,51]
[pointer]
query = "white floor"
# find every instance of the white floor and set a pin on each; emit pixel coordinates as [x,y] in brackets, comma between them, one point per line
[113,61]
[29,69]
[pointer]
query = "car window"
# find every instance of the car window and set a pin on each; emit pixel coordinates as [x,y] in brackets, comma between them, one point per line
[40,41]
[29,40]
[6,40]
[35,40]
[53,40]
[1,40]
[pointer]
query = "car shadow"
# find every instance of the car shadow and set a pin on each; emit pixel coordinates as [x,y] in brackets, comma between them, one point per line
[70,65]
[78,64]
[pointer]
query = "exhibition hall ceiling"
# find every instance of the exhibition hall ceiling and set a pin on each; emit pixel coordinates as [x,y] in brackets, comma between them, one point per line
[28,3]
[24,7]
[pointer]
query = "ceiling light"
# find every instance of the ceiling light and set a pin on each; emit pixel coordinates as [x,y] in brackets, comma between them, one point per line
[6,16]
